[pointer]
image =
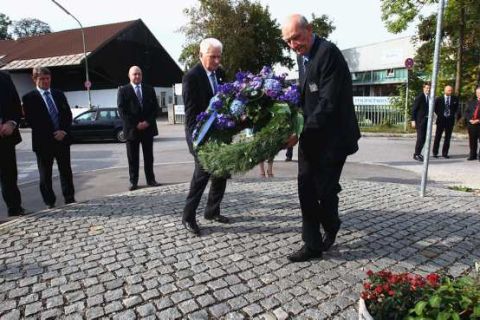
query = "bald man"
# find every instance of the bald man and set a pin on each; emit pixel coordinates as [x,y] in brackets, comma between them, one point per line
[446,108]
[330,134]
[138,107]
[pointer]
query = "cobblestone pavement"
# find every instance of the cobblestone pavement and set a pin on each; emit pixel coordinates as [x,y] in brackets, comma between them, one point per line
[127,256]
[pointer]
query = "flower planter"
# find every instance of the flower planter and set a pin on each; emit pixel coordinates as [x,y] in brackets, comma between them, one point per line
[363,313]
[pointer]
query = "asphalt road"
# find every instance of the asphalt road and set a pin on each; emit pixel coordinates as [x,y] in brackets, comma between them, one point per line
[101,169]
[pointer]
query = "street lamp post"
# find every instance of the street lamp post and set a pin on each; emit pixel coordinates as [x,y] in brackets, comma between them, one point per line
[87,78]
[436,62]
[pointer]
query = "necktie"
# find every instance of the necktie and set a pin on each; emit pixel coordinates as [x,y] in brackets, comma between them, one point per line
[426,98]
[138,92]
[52,109]
[214,82]
[446,113]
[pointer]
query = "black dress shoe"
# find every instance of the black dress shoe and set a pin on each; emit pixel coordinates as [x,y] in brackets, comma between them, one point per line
[153,184]
[17,212]
[472,158]
[218,218]
[50,205]
[418,157]
[446,156]
[328,240]
[70,200]
[435,155]
[133,187]
[305,254]
[191,227]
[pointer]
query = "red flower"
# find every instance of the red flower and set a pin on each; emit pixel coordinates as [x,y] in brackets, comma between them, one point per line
[433,279]
[378,289]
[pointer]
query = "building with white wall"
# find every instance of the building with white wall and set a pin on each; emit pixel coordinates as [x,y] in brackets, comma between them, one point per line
[110,49]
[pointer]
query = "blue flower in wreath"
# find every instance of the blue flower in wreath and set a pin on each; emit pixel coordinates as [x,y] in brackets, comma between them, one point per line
[291,95]
[202,116]
[237,107]
[226,89]
[256,83]
[224,122]
[272,88]
[216,103]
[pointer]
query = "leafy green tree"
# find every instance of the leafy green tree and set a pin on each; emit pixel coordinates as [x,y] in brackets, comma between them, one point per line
[251,38]
[460,54]
[322,25]
[28,27]
[5,22]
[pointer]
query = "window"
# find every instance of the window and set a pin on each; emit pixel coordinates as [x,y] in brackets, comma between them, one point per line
[390,73]
[107,115]
[87,116]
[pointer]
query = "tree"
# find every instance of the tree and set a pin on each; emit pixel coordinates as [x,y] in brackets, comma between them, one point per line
[460,54]
[322,25]
[28,27]
[5,22]
[251,38]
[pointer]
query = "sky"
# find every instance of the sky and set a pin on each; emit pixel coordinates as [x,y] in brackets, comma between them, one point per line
[358,22]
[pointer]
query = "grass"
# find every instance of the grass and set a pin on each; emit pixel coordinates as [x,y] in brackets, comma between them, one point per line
[461,188]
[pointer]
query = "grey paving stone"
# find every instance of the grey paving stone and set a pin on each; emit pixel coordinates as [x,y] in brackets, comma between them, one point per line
[114,306]
[146,309]
[94,313]
[170,313]
[126,315]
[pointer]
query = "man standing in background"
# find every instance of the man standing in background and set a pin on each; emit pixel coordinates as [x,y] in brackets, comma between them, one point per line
[446,108]
[419,120]
[48,113]
[10,113]
[138,107]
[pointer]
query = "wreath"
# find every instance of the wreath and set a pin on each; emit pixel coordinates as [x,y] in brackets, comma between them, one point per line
[246,122]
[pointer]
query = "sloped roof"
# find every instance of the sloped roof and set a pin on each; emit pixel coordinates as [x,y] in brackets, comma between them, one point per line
[57,48]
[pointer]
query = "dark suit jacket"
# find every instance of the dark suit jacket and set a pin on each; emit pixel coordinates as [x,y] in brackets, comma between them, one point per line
[36,113]
[10,108]
[196,93]
[440,109]
[132,112]
[470,110]
[420,109]
[331,127]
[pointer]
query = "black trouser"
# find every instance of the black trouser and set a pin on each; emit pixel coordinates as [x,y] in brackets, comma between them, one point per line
[289,153]
[318,188]
[8,178]
[447,126]
[60,153]
[473,138]
[197,187]
[133,154]
[421,135]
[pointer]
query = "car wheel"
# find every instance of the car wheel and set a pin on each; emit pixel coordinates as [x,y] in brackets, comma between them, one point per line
[120,136]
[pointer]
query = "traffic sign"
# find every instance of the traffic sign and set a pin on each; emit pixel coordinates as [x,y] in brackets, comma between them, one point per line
[87,84]
[409,63]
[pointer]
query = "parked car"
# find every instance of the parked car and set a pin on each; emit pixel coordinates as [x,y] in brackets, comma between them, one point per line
[98,124]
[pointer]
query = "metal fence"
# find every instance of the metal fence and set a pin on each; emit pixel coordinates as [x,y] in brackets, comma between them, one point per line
[375,115]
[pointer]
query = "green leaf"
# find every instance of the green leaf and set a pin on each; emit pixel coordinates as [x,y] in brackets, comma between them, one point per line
[443,315]
[299,124]
[435,301]
[419,307]
[476,311]
[455,316]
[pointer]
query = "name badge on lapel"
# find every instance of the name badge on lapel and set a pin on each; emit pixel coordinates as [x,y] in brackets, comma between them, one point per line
[313,87]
